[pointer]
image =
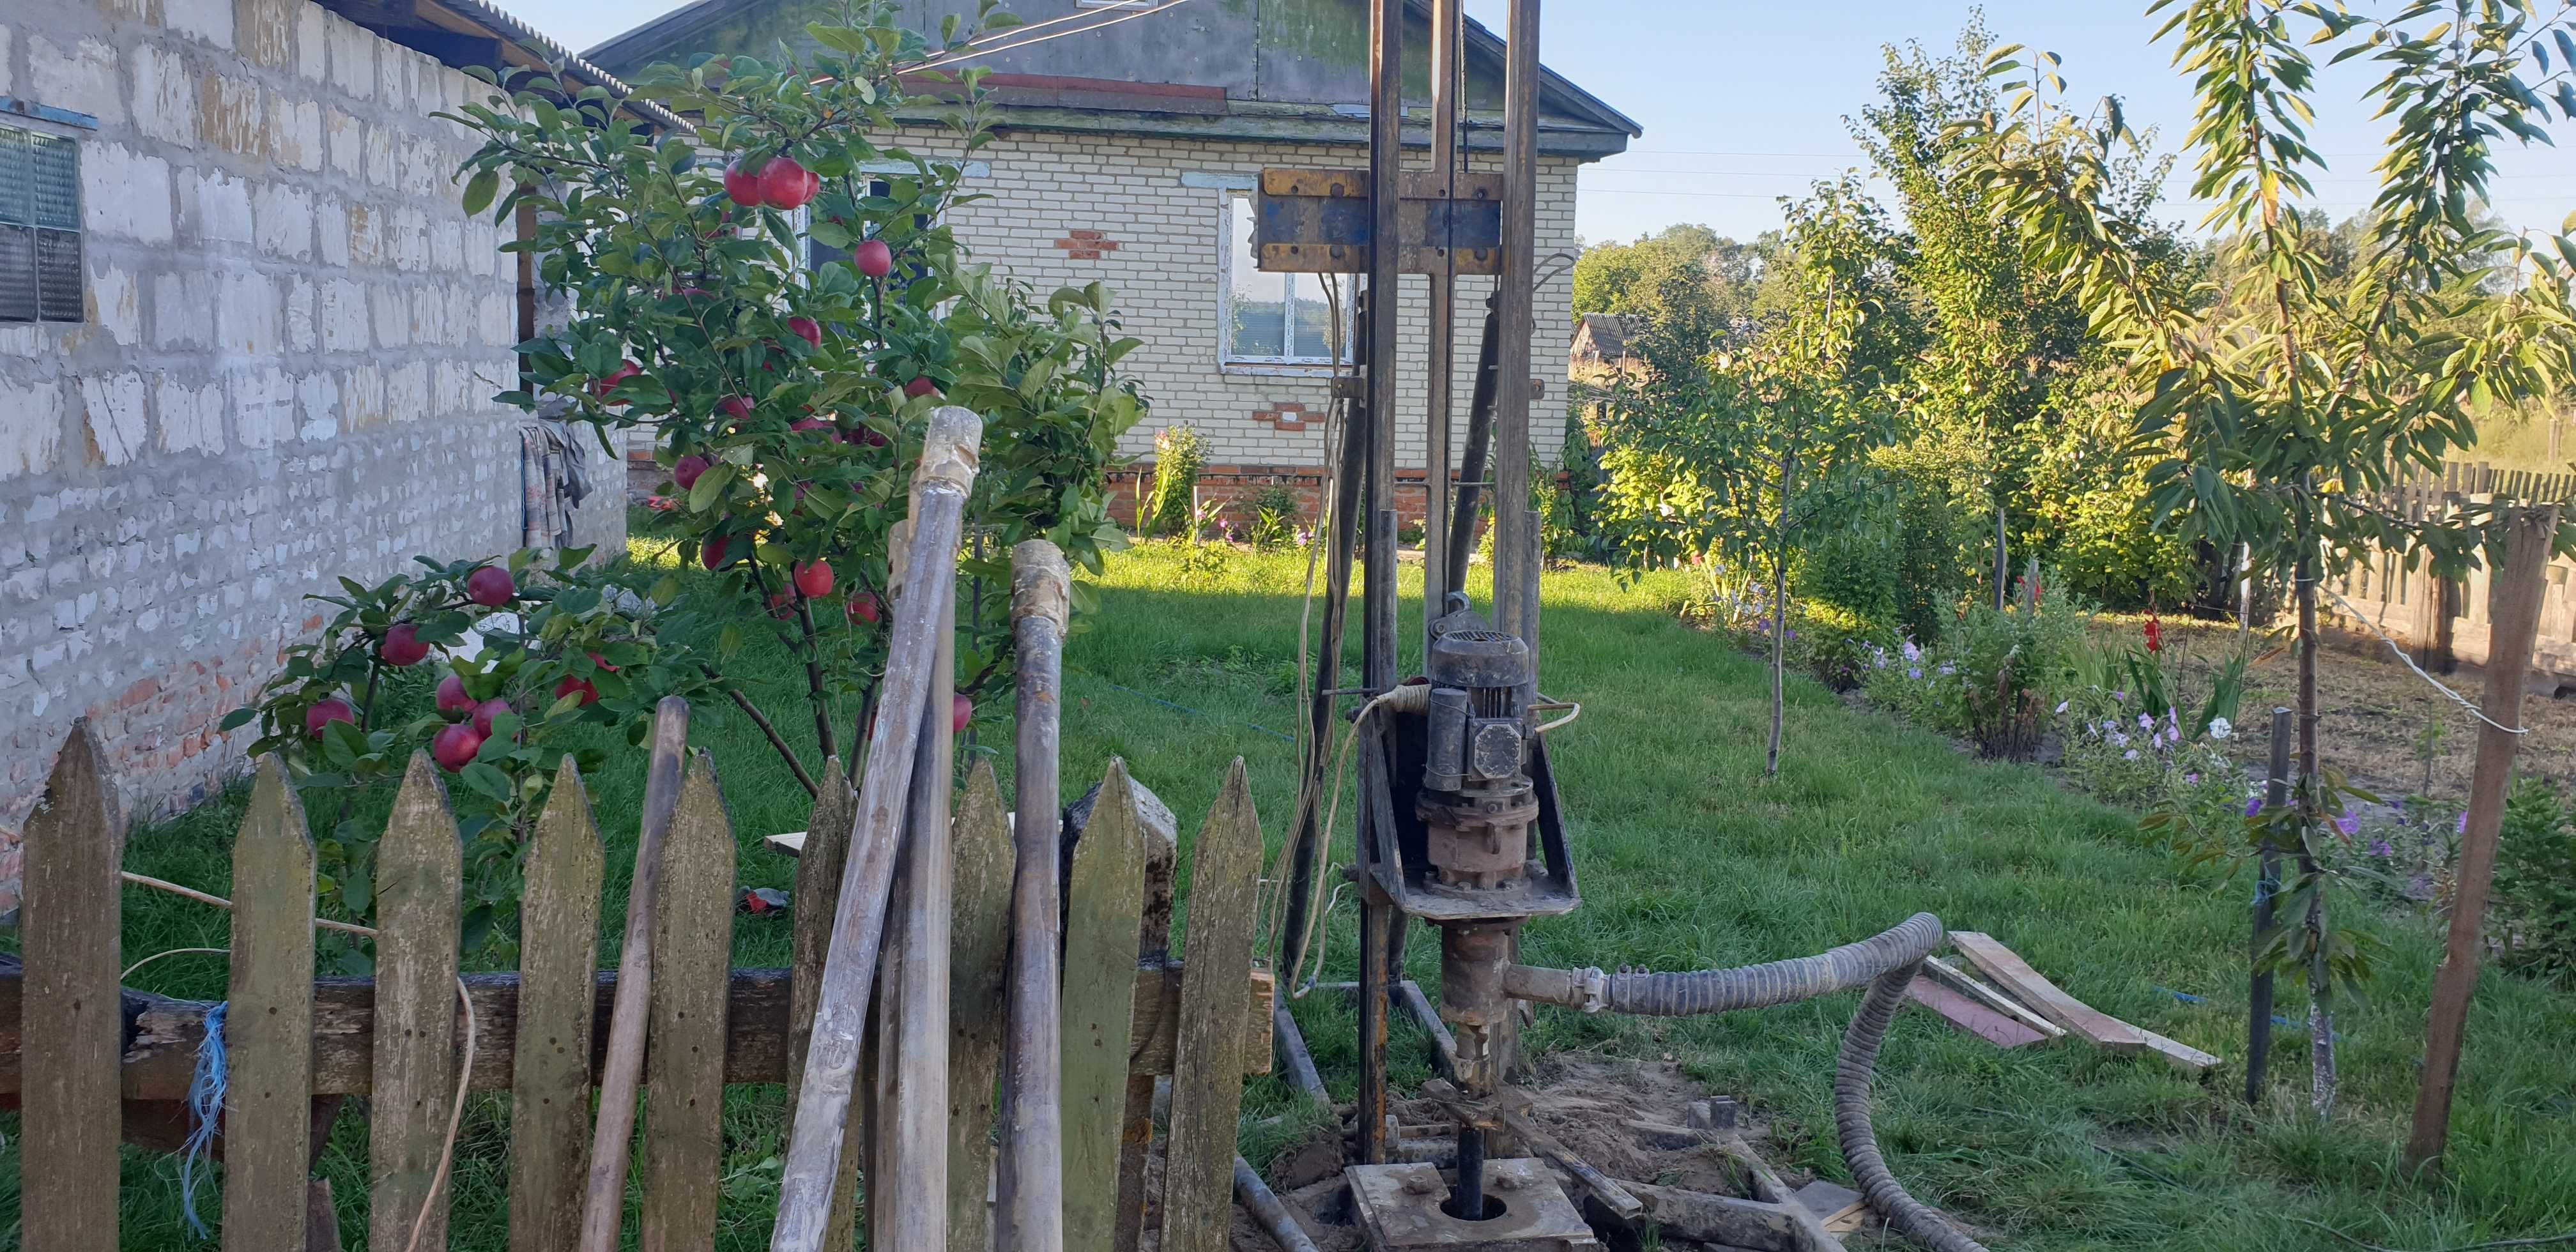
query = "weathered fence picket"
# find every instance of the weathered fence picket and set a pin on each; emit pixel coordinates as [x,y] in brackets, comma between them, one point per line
[1207,1097]
[1104,897]
[692,947]
[419,876]
[550,1071]
[979,939]
[69,925]
[817,895]
[268,1022]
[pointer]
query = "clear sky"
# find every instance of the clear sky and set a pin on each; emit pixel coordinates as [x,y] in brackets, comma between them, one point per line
[1744,102]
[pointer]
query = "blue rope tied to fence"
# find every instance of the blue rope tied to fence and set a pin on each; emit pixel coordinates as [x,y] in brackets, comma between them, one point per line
[206,1105]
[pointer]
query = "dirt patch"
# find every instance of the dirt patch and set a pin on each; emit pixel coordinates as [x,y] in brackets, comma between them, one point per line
[1619,1115]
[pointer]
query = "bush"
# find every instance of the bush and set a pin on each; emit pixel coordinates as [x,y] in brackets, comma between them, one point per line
[1275,517]
[2012,665]
[1170,508]
[2535,880]
[1836,645]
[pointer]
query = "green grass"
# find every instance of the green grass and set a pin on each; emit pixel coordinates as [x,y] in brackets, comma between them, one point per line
[1688,858]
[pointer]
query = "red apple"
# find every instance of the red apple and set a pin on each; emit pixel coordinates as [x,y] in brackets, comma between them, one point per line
[962,712]
[873,258]
[807,329]
[490,586]
[602,662]
[486,711]
[452,699]
[609,383]
[814,578]
[325,712]
[811,423]
[921,386]
[455,745]
[742,183]
[570,684]
[813,184]
[401,647]
[784,184]
[778,604]
[686,470]
[712,553]
[863,434]
[863,607]
[735,407]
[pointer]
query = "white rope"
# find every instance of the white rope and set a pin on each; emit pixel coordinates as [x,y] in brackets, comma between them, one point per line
[2400,654]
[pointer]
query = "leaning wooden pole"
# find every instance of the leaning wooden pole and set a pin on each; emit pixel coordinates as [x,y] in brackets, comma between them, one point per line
[603,1206]
[1029,1187]
[939,489]
[2514,609]
[908,1195]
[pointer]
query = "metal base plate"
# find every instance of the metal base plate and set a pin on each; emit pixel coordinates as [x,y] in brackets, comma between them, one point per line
[1399,1207]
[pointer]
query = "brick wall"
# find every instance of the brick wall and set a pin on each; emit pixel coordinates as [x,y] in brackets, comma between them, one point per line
[293,336]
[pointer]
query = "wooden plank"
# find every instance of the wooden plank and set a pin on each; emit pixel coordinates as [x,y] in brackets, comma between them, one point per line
[166,1033]
[1976,989]
[1104,900]
[912,1170]
[268,1028]
[2183,1056]
[2017,978]
[1969,1017]
[69,921]
[979,946]
[692,948]
[816,900]
[550,1078]
[419,876]
[1161,838]
[1207,1085]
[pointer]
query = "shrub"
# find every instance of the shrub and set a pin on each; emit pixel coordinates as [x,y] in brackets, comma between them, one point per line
[1275,515]
[1836,645]
[2536,880]
[2012,664]
[1170,508]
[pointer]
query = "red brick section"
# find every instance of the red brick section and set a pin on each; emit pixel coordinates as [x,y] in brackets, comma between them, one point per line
[1286,415]
[1086,245]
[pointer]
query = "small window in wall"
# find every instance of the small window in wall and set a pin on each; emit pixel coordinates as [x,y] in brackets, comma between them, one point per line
[1275,319]
[40,217]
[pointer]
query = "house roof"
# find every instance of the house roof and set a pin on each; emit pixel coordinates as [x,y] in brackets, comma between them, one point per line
[461,33]
[1271,69]
[1601,336]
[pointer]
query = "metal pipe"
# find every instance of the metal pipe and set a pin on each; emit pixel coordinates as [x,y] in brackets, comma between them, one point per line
[1029,1176]
[1385,173]
[1255,1195]
[1442,330]
[1471,467]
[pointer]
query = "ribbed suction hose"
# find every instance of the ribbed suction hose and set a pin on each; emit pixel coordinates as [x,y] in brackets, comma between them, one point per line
[1886,961]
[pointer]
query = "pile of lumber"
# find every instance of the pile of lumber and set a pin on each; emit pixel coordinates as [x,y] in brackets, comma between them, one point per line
[1996,996]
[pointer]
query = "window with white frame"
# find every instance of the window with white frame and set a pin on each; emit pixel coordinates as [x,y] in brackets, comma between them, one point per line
[40,236]
[1275,319]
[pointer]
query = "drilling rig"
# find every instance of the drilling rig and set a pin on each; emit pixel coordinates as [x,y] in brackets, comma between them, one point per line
[1459,821]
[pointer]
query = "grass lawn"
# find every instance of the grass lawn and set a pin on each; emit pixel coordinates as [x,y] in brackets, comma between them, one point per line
[1689,859]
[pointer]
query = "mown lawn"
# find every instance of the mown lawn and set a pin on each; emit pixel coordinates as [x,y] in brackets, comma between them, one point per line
[1688,858]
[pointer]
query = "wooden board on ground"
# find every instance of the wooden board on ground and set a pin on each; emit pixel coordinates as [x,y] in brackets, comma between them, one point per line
[1207,1080]
[419,874]
[550,1078]
[979,939]
[1104,900]
[268,1028]
[1978,989]
[2018,979]
[69,924]
[1969,1017]
[2182,1055]
[684,1062]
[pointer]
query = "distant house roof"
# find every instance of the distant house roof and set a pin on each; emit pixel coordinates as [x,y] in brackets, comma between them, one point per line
[1284,70]
[1600,337]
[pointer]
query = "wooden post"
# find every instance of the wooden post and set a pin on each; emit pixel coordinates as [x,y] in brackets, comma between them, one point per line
[1029,1188]
[2267,884]
[1104,907]
[1515,531]
[1385,176]
[268,1026]
[1155,906]
[911,1183]
[621,1072]
[817,895]
[939,488]
[558,964]
[692,950]
[70,923]
[419,876]
[1207,1068]
[1440,331]
[2515,614]
[979,943]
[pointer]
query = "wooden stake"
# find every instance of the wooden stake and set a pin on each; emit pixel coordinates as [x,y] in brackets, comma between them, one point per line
[558,968]
[622,1071]
[268,1028]
[2514,606]
[419,873]
[69,923]
[911,1183]
[1029,1186]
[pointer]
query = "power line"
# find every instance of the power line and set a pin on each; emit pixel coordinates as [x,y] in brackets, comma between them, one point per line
[978,52]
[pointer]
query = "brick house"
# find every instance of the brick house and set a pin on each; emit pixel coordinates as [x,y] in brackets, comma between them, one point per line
[248,343]
[1128,155]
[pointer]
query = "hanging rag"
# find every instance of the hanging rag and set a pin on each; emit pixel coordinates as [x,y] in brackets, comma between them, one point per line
[555,475]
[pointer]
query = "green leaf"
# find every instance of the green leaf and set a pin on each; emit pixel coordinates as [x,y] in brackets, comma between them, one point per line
[486,779]
[479,191]
[710,486]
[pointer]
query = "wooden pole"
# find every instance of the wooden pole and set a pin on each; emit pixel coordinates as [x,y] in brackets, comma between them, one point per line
[913,1189]
[2267,884]
[1515,530]
[604,1200]
[2514,608]
[1029,1184]
[939,489]
[1385,173]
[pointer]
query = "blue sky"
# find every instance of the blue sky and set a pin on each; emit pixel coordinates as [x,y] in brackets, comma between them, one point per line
[1744,102]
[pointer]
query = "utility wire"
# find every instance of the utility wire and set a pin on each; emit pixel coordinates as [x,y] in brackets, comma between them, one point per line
[975,51]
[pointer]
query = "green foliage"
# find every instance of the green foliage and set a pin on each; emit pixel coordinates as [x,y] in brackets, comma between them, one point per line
[1276,517]
[1676,292]
[2012,663]
[1836,645]
[795,395]
[1171,508]
[2535,881]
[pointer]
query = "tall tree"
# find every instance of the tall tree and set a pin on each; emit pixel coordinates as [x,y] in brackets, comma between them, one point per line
[2278,417]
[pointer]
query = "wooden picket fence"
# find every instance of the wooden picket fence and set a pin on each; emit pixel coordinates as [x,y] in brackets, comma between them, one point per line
[94,1063]
[2445,621]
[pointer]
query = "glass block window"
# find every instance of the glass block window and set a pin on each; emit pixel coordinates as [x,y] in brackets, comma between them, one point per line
[40,242]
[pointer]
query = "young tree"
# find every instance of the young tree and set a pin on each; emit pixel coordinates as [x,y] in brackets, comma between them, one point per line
[2278,417]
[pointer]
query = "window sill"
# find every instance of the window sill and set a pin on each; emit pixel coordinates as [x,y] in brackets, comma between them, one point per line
[1274,369]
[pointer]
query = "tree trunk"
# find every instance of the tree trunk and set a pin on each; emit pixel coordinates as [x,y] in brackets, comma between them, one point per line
[2321,1045]
[1780,614]
[2003,559]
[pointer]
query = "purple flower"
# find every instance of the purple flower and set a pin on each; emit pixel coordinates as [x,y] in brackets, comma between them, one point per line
[1912,653]
[2253,805]
[2120,740]
[2461,827]
[2130,755]
[2146,721]
[2379,847]
[1914,671]
[2121,696]
[1948,669]
[2349,824]
[2191,780]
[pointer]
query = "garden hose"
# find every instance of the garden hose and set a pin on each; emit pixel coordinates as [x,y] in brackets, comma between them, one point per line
[1886,962]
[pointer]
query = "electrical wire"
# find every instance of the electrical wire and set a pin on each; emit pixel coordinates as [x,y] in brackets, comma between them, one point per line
[974,52]
[2400,654]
